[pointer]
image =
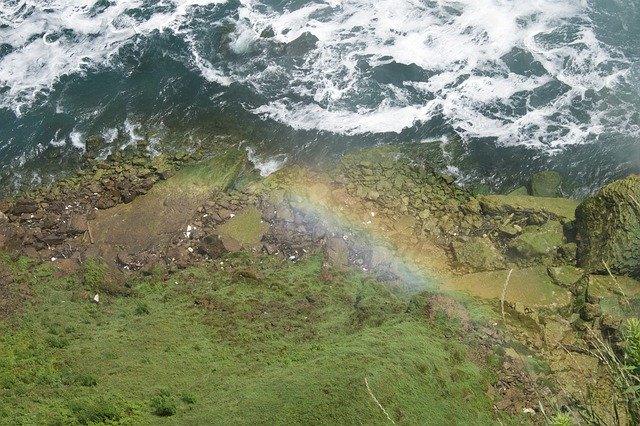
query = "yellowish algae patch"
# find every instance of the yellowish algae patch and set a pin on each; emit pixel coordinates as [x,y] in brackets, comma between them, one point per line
[530,286]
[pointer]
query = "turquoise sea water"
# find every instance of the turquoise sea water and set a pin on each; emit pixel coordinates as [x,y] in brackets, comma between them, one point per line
[510,86]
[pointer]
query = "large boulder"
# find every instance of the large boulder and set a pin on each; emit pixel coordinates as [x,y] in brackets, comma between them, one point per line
[608,228]
[545,184]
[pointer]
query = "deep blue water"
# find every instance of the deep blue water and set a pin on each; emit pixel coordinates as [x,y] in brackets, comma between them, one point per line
[525,87]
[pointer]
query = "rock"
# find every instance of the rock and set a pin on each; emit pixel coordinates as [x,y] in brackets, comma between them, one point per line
[538,241]
[521,190]
[77,225]
[128,261]
[479,254]
[590,311]
[211,246]
[472,206]
[545,207]
[545,184]
[93,145]
[608,228]
[337,252]
[24,206]
[105,202]
[565,276]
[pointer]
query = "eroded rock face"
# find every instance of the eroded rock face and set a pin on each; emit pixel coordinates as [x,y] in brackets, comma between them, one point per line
[608,228]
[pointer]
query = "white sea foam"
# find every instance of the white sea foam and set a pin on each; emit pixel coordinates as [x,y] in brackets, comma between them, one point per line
[462,44]
[74,37]
[266,166]
[332,85]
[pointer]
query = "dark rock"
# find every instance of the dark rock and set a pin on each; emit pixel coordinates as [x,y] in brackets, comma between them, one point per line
[267,33]
[608,228]
[106,202]
[77,225]
[24,206]
[93,145]
[590,311]
[211,246]
[127,196]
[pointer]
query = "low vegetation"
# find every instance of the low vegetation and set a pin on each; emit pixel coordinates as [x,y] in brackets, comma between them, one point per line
[248,340]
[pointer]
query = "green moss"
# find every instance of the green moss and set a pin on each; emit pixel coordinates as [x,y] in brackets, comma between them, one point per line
[246,227]
[539,241]
[559,207]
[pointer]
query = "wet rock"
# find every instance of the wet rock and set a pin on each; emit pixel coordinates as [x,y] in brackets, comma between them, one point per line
[267,33]
[608,228]
[538,241]
[93,145]
[478,254]
[545,184]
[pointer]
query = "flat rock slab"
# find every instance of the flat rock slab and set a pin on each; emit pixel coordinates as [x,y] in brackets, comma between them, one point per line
[559,207]
[244,230]
[529,286]
[152,219]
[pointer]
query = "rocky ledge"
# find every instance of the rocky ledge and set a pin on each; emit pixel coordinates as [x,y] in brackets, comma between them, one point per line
[561,269]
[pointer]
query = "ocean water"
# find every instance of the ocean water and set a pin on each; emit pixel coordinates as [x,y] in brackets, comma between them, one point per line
[506,87]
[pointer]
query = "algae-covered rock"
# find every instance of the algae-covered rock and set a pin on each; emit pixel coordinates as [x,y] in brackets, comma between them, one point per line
[608,228]
[539,241]
[545,184]
[479,254]
[521,190]
[507,204]
[247,227]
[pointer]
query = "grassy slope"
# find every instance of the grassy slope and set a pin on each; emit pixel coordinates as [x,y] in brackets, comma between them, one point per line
[276,344]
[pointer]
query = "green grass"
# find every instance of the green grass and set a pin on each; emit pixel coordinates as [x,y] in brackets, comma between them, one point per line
[261,342]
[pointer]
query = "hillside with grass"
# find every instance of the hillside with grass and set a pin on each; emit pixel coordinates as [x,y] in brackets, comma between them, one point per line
[250,340]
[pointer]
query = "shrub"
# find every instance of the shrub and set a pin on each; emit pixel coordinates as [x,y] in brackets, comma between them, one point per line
[142,309]
[163,404]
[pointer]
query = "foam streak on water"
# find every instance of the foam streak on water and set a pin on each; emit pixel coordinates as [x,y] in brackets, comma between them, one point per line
[53,38]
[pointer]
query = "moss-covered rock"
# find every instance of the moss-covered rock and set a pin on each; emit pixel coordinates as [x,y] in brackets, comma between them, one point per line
[608,228]
[507,204]
[539,241]
[479,254]
[545,184]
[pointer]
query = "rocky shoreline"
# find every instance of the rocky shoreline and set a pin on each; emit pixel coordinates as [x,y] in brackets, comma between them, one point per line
[570,272]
